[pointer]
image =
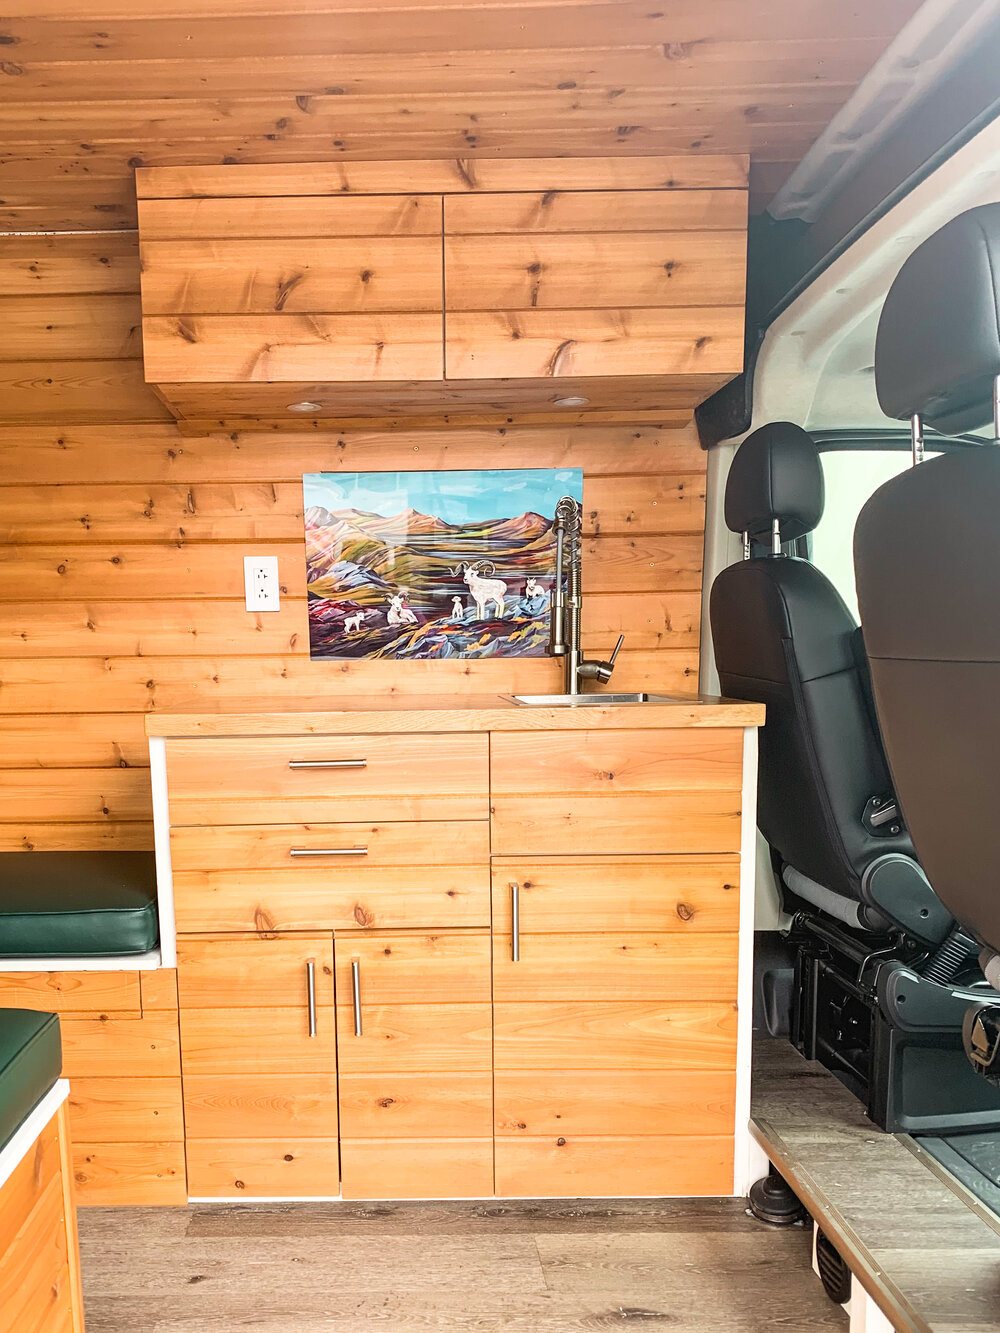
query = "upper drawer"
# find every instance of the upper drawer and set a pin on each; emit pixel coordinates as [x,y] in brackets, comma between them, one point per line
[610,792]
[288,779]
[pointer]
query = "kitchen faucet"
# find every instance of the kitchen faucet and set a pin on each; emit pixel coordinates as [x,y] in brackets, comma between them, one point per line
[564,631]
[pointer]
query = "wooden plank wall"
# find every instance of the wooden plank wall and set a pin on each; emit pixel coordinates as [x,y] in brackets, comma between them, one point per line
[89,91]
[123,542]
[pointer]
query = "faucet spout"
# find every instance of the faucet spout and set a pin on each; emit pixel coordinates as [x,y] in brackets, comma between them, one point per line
[567,601]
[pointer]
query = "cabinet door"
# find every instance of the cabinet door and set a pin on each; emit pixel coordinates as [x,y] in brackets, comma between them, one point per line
[415,1058]
[593,283]
[615,1041]
[258,1055]
[348,294]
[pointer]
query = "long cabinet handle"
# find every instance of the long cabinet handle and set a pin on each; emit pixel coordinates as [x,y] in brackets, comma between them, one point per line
[328,851]
[515,923]
[328,763]
[311,993]
[356,987]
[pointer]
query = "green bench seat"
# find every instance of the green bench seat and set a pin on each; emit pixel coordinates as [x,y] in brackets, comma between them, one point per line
[77,904]
[30,1063]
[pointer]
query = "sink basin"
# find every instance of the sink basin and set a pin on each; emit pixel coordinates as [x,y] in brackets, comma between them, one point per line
[595,700]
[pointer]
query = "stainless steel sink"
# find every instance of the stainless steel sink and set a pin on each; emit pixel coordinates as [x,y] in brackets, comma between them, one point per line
[594,700]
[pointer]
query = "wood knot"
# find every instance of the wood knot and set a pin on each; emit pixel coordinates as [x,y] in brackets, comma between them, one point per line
[685,912]
[560,1143]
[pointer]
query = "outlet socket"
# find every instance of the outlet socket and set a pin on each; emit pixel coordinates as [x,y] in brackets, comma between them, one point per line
[260,580]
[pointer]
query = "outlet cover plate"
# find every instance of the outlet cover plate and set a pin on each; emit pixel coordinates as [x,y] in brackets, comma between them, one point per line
[260,580]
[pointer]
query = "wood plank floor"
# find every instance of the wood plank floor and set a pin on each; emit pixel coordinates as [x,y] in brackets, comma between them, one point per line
[690,1266]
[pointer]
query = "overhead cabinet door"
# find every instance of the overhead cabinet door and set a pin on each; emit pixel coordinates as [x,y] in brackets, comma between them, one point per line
[593,283]
[300,289]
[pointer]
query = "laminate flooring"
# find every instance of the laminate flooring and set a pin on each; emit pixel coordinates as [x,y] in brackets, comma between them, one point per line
[687,1266]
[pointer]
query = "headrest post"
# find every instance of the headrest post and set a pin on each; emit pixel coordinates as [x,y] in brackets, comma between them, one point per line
[996,409]
[746,546]
[775,536]
[917,438]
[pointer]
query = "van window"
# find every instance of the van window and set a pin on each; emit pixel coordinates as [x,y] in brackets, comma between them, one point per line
[851,476]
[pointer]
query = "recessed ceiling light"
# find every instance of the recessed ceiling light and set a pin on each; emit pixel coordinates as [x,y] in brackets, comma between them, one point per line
[571,402]
[305,407]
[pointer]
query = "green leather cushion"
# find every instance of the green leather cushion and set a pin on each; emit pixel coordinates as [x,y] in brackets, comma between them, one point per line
[77,904]
[30,1062]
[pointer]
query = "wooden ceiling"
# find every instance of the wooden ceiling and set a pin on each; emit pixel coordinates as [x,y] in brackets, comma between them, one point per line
[91,89]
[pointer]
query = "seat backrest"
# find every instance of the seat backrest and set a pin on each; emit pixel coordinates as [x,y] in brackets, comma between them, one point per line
[784,637]
[927,557]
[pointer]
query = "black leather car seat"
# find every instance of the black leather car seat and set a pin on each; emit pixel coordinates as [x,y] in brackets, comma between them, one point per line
[927,556]
[784,638]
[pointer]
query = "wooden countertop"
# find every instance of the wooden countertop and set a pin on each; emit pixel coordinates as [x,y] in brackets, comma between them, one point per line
[490,712]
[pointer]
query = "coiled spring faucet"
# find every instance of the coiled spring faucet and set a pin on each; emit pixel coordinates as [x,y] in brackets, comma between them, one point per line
[567,601]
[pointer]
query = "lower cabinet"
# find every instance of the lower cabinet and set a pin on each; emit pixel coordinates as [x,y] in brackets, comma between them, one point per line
[259,1059]
[415,1046]
[614,983]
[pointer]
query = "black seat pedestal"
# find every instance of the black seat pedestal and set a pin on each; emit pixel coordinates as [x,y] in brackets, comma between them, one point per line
[893,1037]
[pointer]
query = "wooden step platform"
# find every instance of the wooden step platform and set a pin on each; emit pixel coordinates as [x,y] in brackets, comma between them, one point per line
[926,1253]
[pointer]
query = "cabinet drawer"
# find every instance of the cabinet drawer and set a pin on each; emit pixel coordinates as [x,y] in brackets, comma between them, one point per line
[631,1034]
[622,966]
[339,850]
[686,894]
[609,792]
[83,994]
[306,897]
[287,779]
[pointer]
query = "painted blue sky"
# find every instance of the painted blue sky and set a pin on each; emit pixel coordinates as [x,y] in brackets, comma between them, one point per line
[454,497]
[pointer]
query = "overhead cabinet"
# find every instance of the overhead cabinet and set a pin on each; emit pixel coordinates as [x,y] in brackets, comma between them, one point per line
[269,294]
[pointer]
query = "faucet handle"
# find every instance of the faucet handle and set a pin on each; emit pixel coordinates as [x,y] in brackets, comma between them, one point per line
[595,670]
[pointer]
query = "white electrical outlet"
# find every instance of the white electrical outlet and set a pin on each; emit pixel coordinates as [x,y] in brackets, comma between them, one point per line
[260,578]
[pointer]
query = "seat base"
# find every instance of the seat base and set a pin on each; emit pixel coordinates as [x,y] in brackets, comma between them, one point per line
[891,1036]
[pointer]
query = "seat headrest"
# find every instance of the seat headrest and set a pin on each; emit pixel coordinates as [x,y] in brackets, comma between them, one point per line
[776,474]
[938,346]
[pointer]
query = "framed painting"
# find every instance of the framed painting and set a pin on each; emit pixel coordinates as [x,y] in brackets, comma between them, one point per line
[432,564]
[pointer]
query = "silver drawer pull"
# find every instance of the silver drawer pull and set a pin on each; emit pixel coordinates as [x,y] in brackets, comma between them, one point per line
[515,923]
[328,851]
[356,987]
[328,763]
[311,994]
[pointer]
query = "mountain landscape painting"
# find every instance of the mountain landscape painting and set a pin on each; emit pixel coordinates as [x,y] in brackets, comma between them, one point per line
[432,565]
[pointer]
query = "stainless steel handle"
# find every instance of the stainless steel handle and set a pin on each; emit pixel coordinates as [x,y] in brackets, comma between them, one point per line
[515,923]
[617,649]
[328,763]
[328,851]
[356,986]
[311,992]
